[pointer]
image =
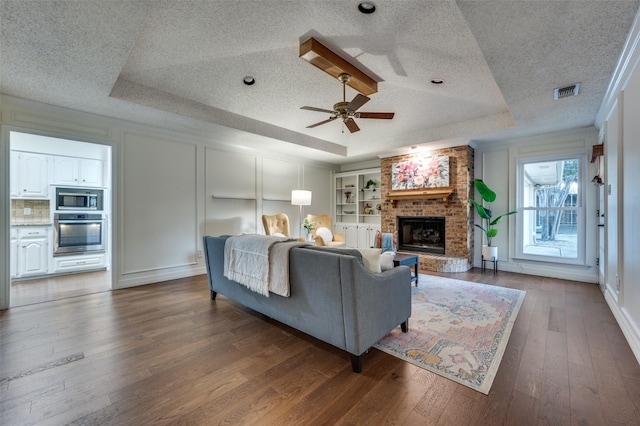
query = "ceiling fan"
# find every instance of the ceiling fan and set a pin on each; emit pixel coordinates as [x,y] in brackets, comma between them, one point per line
[347,110]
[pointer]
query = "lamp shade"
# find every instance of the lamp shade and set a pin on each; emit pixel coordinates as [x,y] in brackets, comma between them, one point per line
[300,197]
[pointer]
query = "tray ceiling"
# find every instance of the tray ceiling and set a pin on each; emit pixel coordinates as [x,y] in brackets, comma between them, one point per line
[180,65]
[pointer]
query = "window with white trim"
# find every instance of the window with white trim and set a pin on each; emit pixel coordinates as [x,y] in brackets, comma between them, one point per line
[551,223]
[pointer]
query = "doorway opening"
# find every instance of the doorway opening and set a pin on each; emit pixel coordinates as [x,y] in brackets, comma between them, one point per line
[49,177]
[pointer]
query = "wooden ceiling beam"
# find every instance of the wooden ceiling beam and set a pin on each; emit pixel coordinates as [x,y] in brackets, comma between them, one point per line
[330,62]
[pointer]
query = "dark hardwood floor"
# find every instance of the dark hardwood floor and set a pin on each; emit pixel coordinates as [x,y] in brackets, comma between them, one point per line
[166,354]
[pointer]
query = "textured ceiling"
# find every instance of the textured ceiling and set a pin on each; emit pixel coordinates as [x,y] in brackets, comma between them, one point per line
[180,65]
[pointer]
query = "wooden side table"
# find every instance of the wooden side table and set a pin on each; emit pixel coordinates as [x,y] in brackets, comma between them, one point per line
[406,259]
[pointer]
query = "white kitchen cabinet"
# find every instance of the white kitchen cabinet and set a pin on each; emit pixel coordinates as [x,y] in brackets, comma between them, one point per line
[15,176]
[32,173]
[13,250]
[91,172]
[32,251]
[65,171]
[78,263]
[71,171]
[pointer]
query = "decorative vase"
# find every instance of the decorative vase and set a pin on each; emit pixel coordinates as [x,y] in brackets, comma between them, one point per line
[489,252]
[309,237]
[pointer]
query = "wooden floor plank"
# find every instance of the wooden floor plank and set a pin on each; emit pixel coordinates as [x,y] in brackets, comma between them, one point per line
[166,354]
[554,408]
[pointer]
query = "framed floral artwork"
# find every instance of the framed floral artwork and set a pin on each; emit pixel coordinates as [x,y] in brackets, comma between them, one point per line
[420,172]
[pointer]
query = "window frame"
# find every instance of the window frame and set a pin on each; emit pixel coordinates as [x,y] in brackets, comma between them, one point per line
[580,209]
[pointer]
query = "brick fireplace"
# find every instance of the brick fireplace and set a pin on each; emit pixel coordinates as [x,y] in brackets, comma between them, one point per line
[458,223]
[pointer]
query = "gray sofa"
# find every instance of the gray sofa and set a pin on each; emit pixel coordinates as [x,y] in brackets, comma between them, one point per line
[333,297]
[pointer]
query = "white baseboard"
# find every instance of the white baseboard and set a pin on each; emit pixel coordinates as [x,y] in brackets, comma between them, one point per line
[150,277]
[630,331]
[587,275]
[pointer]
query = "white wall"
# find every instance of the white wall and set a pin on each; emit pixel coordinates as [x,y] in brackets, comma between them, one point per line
[618,118]
[630,300]
[496,164]
[163,186]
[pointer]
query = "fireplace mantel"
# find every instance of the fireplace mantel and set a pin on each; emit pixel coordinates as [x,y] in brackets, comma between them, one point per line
[421,194]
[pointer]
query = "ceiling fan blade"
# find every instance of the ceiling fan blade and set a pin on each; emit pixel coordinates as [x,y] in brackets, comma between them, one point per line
[351,125]
[357,102]
[317,109]
[380,115]
[322,122]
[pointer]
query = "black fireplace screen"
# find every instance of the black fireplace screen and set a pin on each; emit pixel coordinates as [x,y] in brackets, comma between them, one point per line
[421,233]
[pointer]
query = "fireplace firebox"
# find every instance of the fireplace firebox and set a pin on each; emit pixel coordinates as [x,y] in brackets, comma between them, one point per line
[421,233]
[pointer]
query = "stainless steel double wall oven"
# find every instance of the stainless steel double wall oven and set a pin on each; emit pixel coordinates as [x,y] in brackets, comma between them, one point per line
[78,222]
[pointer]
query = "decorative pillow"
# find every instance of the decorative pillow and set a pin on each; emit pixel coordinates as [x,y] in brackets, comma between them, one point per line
[325,233]
[371,259]
[279,234]
[386,261]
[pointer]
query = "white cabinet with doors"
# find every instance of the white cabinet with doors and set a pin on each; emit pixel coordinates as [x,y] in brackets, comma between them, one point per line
[32,251]
[357,206]
[73,171]
[29,175]
[367,234]
[350,231]
[13,240]
[14,177]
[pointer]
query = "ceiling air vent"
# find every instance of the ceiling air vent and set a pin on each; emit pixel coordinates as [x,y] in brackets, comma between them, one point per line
[565,92]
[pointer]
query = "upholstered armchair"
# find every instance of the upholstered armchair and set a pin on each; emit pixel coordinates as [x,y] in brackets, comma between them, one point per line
[323,231]
[276,224]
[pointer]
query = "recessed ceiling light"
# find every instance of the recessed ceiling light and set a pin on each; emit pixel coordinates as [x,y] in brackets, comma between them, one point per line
[367,7]
[248,80]
[437,81]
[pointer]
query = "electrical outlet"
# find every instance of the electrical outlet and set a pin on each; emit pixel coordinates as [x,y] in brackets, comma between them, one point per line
[27,211]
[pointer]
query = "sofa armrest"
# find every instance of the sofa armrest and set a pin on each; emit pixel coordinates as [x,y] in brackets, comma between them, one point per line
[373,304]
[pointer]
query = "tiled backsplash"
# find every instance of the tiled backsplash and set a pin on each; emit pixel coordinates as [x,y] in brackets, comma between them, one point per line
[40,212]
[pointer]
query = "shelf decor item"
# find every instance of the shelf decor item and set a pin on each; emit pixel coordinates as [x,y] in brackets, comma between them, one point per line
[371,184]
[348,196]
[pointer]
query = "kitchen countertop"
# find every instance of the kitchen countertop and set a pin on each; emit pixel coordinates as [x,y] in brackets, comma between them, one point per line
[32,224]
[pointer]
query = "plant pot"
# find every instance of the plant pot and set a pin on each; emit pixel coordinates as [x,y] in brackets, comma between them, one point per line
[489,252]
[309,237]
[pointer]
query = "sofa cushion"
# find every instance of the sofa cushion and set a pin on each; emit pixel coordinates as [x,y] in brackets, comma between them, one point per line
[386,261]
[325,233]
[371,259]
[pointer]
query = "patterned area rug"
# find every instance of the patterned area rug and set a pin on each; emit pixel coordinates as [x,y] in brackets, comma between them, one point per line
[457,329]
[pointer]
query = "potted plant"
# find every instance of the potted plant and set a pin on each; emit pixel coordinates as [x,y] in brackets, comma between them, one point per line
[308,226]
[489,251]
[371,183]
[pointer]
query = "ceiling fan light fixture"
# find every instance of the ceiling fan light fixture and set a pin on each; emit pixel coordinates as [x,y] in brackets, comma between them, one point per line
[367,7]
[248,80]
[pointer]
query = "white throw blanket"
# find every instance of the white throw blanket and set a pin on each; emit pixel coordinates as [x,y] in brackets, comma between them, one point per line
[260,262]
